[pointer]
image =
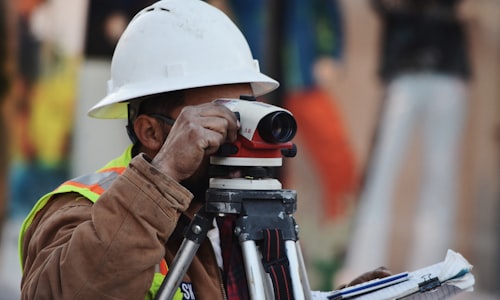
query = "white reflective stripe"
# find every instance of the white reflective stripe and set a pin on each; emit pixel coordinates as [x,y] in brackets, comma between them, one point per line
[104,179]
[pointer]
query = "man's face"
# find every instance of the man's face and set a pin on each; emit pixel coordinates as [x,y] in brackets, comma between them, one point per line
[198,182]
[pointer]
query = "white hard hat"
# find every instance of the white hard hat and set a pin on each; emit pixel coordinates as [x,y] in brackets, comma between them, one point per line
[174,45]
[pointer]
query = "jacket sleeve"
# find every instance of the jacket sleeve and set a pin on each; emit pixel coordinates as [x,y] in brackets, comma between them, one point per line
[109,250]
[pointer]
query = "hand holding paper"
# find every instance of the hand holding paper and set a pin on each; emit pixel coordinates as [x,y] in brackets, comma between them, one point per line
[438,281]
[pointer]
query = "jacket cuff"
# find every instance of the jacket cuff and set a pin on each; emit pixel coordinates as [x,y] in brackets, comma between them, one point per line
[177,196]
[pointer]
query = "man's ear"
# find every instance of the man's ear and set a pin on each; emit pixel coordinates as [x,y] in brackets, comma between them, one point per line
[149,132]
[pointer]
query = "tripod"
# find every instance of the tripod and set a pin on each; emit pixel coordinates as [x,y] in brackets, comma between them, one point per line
[264,214]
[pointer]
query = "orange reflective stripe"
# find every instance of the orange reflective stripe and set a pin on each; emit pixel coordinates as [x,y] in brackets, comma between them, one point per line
[163,267]
[118,170]
[96,188]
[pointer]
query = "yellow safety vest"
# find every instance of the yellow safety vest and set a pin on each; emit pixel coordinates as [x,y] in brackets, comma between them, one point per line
[91,186]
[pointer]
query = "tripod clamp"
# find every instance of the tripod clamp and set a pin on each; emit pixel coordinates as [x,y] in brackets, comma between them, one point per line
[258,209]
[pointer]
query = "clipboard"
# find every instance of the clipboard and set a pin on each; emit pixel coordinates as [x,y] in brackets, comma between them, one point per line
[369,286]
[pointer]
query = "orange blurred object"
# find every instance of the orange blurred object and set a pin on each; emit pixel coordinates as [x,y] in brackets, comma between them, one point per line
[322,130]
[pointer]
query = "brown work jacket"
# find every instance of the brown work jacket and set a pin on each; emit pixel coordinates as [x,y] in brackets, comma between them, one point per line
[75,249]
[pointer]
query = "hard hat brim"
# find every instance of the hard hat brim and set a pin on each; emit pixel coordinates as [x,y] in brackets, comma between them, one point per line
[114,105]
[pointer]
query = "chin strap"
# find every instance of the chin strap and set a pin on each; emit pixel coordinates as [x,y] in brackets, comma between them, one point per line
[132,114]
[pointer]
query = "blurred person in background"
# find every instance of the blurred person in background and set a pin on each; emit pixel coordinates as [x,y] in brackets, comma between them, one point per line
[302,45]
[424,64]
[305,47]
[19,110]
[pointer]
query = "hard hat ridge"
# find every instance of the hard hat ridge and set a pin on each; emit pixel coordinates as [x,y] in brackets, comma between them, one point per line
[174,45]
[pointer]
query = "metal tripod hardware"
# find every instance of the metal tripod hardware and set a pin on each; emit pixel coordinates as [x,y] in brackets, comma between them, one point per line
[257,210]
[193,237]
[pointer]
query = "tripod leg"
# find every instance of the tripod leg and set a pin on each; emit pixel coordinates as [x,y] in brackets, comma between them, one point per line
[179,267]
[198,229]
[298,274]
[303,273]
[258,287]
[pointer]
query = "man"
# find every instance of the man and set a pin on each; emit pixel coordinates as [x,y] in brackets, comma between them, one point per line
[105,235]
[424,65]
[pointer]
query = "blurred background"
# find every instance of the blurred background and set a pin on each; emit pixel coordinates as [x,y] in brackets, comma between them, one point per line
[397,104]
